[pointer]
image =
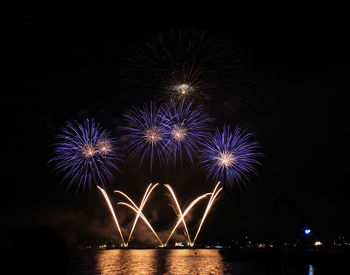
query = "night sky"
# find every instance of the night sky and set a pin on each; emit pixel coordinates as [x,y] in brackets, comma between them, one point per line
[67,67]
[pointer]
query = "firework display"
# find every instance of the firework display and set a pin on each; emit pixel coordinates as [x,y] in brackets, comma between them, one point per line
[181,218]
[177,73]
[112,212]
[146,133]
[181,215]
[213,196]
[230,156]
[85,154]
[187,127]
[138,210]
[184,64]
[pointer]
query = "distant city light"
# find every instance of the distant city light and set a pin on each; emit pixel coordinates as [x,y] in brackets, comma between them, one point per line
[318,243]
[179,244]
[307,231]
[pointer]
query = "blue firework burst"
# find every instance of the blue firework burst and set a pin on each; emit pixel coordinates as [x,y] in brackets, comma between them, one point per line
[230,156]
[85,154]
[187,127]
[146,133]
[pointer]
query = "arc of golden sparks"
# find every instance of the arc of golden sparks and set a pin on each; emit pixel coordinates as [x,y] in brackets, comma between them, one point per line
[113,213]
[193,203]
[179,209]
[213,196]
[138,210]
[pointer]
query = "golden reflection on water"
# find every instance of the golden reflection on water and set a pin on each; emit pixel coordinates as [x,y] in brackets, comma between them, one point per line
[194,261]
[129,261]
[159,261]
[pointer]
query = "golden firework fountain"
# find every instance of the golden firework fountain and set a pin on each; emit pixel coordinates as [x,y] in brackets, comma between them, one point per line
[181,214]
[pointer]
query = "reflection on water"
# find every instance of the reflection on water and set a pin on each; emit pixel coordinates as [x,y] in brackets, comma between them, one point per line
[155,261]
[186,261]
[173,261]
[150,261]
[127,261]
[311,269]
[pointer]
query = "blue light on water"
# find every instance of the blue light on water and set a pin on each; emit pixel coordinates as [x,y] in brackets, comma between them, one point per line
[311,270]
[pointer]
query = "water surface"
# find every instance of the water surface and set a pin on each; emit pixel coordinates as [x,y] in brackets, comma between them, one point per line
[150,261]
[175,261]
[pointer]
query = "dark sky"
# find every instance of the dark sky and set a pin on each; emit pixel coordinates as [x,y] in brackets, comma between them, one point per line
[66,66]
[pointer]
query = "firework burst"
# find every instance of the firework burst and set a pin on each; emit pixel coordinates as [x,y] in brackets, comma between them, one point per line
[230,156]
[146,133]
[187,128]
[184,64]
[85,154]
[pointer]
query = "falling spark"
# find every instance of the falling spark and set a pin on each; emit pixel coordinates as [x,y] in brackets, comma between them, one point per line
[143,202]
[213,196]
[113,213]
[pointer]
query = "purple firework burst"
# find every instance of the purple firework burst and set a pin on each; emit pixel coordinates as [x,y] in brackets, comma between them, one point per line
[230,156]
[187,127]
[146,133]
[85,154]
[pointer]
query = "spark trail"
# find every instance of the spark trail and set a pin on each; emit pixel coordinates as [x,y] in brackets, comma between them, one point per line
[213,196]
[136,210]
[193,203]
[179,209]
[148,192]
[113,213]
